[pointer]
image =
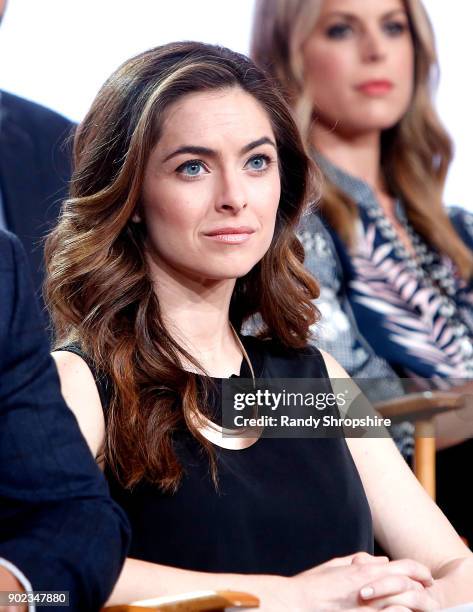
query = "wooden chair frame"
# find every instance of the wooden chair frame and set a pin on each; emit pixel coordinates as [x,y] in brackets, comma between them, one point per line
[421,408]
[199,601]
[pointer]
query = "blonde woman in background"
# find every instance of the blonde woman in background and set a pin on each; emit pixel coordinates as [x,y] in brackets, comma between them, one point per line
[359,78]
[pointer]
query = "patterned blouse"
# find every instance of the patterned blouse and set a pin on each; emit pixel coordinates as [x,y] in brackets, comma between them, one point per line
[416,312]
[337,331]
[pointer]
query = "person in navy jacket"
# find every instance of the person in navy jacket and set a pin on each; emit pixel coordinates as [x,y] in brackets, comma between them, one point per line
[35,168]
[59,529]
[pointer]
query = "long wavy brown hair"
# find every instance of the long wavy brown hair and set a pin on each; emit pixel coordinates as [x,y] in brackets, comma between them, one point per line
[98,284]
[415,153]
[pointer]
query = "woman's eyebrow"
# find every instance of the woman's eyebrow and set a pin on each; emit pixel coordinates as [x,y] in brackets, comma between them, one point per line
[258,143]
[353,17]
[198,150]
[339,15]
[394,12]
[192,150]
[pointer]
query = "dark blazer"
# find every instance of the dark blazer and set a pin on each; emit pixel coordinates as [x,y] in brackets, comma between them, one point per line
[35,167]
[58,524]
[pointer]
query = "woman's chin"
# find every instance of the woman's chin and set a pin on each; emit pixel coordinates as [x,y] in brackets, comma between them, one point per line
[230,273]
[377,119]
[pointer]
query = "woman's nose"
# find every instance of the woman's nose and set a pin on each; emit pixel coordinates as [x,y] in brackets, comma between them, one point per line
[373,47]
[231,194]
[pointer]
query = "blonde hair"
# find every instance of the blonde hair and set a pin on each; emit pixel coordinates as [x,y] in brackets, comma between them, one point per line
[415,153]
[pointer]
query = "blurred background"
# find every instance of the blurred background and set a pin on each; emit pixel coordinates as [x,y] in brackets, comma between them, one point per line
[59,52]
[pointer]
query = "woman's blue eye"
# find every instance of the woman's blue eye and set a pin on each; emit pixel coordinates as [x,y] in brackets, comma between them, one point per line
[259,162]
[191,168]
[339,31]
[395,28]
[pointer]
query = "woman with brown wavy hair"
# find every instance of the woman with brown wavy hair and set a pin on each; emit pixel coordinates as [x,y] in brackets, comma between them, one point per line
[190,180]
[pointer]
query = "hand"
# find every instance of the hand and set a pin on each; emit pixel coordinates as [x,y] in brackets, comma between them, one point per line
[362,580]
[8,582]
[400,591]
[453,585]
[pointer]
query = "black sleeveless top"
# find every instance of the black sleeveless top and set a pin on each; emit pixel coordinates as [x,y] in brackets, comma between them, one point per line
[282,505]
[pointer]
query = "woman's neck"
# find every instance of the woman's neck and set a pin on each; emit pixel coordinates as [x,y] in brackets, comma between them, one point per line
[358,155]
[196,313]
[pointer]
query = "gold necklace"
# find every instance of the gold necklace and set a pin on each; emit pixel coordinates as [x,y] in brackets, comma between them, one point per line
[236,439]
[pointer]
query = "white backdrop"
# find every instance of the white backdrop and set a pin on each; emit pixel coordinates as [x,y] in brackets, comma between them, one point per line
[58,52]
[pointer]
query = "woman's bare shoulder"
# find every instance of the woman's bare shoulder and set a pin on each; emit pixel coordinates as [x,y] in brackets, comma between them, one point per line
[80,391]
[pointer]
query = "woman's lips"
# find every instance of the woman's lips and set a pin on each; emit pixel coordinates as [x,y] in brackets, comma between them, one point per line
[230,238]
[230,235]
[375,88]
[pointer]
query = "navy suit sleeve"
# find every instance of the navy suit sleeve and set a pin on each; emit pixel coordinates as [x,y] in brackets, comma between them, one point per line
[58,524]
